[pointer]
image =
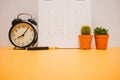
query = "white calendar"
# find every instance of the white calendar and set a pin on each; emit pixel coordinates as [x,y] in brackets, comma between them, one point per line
[60,22]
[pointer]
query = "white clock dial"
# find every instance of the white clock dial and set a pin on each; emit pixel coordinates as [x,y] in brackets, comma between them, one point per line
[22,34]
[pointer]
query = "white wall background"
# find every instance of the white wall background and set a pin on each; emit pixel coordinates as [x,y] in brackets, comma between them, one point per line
[62,23]
[105,13]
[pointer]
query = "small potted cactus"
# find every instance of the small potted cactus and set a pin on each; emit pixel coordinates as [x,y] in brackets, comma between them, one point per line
[101,37]
[85,39]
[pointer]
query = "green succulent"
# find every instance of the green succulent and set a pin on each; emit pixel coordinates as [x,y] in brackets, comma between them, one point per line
[85,30]
[100,31]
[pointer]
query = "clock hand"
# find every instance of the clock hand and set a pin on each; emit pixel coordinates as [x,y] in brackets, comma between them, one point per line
[25,31]
[20,36]
[23,34]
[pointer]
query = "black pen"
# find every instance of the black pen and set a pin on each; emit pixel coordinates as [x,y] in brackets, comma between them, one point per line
[40,48]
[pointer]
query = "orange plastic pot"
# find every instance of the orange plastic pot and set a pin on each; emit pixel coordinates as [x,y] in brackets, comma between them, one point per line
[85,41]
[101,41]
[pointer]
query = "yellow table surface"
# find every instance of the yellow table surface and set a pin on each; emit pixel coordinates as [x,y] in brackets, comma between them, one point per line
[60,64]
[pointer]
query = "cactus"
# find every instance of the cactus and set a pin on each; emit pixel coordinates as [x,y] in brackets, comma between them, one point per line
[100,31]
[85,30]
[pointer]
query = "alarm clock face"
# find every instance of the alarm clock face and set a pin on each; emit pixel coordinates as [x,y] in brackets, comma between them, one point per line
[22,35]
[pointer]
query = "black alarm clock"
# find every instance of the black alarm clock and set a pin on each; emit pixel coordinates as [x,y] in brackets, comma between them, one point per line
[23,33]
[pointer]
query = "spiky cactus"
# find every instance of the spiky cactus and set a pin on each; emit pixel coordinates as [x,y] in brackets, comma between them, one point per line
[85,30]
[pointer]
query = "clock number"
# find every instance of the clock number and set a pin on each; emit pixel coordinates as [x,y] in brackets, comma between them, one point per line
[16,30]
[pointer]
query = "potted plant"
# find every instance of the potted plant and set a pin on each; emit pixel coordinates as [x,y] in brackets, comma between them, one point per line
[85,39]
[101,37]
